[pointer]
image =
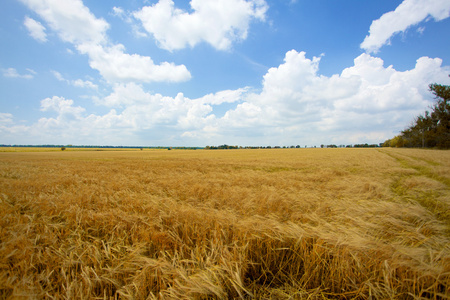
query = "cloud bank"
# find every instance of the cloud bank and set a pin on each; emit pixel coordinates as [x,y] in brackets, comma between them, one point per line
[366,102]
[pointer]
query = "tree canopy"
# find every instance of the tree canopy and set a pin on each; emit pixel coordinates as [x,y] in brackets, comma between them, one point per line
[430,130]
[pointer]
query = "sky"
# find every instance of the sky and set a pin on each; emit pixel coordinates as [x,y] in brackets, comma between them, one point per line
[213,72]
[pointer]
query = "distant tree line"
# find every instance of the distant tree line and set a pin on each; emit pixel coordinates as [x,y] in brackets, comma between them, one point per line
[351,146]
[64,147]
[431,129]
[291,147]
[224,146]
[366,145]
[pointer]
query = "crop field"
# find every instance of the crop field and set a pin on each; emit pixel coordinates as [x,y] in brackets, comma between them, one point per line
[225,224]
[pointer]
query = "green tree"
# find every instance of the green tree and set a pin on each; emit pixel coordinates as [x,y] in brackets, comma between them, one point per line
[432,129]
[397,141]
[441,115]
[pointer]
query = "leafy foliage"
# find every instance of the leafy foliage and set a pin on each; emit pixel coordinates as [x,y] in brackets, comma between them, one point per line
[432,129]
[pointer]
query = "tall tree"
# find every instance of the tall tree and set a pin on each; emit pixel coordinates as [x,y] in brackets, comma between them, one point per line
[430,129]
[441,115]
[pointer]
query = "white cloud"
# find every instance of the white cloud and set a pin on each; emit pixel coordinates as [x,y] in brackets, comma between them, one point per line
[385,89]
[124,95]
[127,17]
[70,125]
[35,29]
[61,106]
[78,82]
[421,30]
[73,21]
[8,130]
[12,73]
[218,23]
[135,113]
[84,84]
[119,12]
[6,118]
[117,66]
[366,102]
[75,24]
[227,96]
[407,14]
[58,75]
[144,110]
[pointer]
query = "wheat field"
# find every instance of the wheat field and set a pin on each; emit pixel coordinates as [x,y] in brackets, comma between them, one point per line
[225,224]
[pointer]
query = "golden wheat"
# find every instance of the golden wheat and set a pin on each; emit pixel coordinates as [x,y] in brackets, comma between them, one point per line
[220,224]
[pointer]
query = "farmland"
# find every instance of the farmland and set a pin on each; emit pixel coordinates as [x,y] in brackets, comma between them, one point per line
[252,224]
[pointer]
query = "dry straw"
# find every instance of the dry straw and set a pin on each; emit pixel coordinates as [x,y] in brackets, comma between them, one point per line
[245,224]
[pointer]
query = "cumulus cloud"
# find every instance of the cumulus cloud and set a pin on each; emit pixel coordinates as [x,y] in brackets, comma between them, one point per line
[35,29]
[74,23]
[117,66]
[218,23]
[12,73]
[146,110]
[133,112]
[407,14]
[61,106]
[366,102]
[124,95]
[71,124]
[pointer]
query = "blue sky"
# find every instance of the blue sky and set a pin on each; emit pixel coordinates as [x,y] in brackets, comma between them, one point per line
[204,72]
